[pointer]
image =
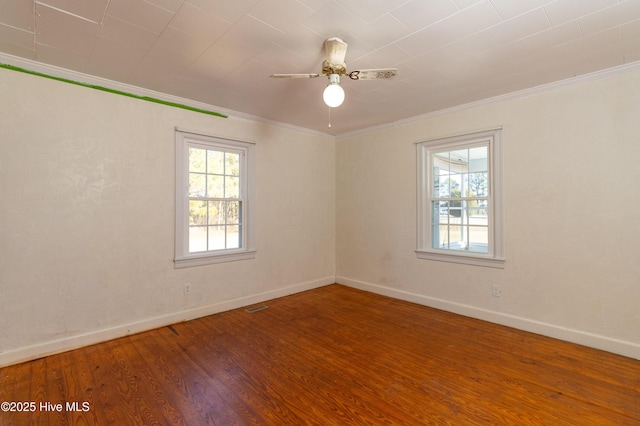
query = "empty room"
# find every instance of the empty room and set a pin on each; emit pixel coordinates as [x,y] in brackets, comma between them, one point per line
[323,212]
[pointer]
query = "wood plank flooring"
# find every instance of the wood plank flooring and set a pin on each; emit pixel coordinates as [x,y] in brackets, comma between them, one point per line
[330,356]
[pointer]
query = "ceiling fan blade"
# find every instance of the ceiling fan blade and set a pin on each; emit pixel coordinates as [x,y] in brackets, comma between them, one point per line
[373,74]
[294,75]
[335,50]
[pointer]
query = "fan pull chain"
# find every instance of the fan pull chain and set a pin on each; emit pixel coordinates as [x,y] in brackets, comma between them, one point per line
[329,117]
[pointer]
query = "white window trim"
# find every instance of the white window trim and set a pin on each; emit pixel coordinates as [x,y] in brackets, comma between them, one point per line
[184,259]
[496,256]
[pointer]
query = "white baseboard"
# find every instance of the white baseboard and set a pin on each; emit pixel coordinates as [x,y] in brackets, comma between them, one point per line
[620,347]
[64,344]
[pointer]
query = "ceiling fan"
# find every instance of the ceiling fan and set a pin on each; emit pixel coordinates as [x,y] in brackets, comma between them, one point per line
[334,66]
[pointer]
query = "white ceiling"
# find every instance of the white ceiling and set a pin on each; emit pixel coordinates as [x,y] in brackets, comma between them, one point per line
[221,52]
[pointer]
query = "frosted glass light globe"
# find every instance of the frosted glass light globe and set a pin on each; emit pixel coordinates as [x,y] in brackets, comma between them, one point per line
[333,94]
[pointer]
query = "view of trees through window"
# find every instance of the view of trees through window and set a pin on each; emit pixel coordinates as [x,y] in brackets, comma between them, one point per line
[215,200]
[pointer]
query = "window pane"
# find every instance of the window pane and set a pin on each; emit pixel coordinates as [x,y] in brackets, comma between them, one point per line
[478,185]
[232,187]
[197,239]
[441,174]
[233,236]
[439,211]
[439,235]
[455,210]
[215,186]
[215,162]
[478,159]
[441,162]
[232,165]
[455,237]
[483,208]
[455,186]
[216,213]
[448,236]
[479,239]
[477,214]
[459,161]
[196,185]
[216,238]
[197,160]
[442,190]
[197,212]
[233,212]
[464,189]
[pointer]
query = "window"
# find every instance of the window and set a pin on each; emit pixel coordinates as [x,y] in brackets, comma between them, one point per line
[460,199]
[213,200]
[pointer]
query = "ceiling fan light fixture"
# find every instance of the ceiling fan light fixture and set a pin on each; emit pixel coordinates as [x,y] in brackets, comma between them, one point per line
[333,94]
[333,66]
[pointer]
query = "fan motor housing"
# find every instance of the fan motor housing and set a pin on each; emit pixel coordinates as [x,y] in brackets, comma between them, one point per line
[328,68]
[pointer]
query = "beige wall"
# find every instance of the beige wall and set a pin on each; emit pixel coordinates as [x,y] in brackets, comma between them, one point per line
[571,175]
[87,211]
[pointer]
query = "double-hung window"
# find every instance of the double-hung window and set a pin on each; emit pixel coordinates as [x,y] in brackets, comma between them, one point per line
[213,200]
[460,199]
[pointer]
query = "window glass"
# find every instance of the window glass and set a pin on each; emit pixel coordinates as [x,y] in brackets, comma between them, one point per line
[210,210]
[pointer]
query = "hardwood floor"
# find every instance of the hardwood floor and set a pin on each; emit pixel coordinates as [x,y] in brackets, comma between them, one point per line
[330,356]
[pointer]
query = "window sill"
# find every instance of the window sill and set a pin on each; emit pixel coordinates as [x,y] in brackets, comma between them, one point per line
[490,262]
[208,259]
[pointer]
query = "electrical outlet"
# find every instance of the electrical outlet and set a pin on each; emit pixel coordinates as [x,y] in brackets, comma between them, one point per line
[496,291]
[187,289]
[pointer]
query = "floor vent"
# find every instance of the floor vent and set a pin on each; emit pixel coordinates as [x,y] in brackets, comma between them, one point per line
[256,308]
